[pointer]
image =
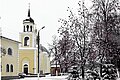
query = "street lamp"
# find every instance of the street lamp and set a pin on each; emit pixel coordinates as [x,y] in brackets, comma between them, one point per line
[39,47]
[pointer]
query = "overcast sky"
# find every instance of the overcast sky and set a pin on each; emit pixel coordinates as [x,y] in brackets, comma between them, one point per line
[44,12]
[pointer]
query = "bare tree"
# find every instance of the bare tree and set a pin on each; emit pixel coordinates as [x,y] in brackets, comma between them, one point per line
[65,49]
[54,52]
[3,51]
[104,14]
[78,27]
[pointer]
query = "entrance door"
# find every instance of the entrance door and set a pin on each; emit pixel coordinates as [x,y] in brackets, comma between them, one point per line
[26,69]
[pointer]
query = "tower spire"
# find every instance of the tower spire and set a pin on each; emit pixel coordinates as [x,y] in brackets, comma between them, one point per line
[29,11]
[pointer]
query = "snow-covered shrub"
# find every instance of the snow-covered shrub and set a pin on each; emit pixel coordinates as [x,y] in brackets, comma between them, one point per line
[92,75]
[109,71]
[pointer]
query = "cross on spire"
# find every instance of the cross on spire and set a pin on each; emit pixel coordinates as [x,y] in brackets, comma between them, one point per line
[29,5]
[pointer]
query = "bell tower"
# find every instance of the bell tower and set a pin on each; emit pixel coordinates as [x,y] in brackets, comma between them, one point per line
[28,36]
[28,60]
[27,48]
[28,23]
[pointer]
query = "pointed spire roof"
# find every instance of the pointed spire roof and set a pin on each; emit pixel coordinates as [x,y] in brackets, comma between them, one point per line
[29,11]
[29,19]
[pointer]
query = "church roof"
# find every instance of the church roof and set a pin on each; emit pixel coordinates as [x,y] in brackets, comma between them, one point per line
[9,39]
[28,19]
[43,49]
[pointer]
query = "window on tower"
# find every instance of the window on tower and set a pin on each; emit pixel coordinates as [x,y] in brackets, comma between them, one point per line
[26,41]
[27,28]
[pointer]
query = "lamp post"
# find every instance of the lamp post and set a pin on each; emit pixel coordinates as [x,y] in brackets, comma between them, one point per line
[39,48]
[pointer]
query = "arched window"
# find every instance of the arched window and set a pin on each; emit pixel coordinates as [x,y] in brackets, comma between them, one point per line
[11,68]
[27,28]
[26,41]
[31,28]
[7,68]
[9,51]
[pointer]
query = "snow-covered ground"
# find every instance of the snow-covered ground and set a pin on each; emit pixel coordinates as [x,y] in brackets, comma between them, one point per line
[45,78]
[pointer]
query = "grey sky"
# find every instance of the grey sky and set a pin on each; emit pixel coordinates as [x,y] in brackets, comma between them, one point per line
[44,12]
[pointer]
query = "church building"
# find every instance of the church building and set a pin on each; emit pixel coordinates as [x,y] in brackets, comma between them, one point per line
[8,57]
[28,51]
